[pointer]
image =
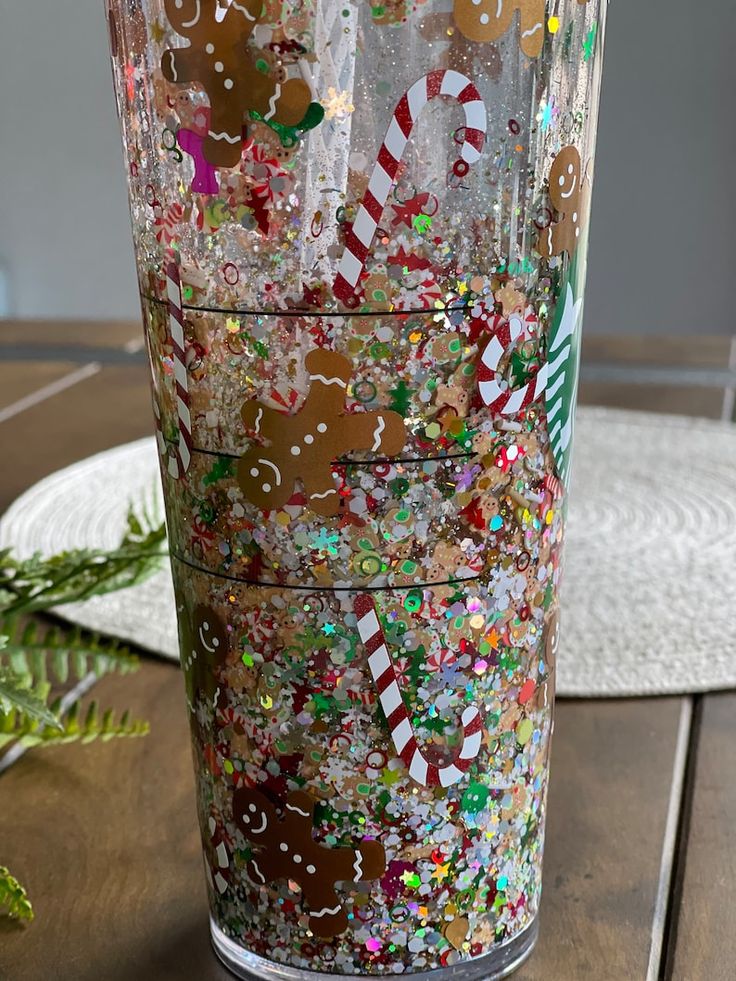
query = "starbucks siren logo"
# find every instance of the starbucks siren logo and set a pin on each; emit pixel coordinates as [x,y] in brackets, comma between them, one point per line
[556,380]
[562,382]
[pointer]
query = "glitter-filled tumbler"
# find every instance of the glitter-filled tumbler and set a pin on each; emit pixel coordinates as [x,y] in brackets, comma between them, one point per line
[360,231]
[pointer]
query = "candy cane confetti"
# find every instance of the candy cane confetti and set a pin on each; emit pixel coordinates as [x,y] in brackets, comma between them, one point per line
[359,238]
[179,456]
[507,401]
[384,675]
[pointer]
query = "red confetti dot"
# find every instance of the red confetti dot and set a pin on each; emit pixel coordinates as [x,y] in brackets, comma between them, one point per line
[527,690]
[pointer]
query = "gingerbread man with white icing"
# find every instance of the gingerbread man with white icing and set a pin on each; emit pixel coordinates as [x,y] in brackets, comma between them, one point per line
[219,59]
[488,20]
[566,194]
[286,850]
[303,446]
[204,650]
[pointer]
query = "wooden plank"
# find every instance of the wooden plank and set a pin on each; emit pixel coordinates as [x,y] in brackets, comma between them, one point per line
[612,767]
[708,351]
[680,400]
[704,940]
[106,840]
[109,408]
[20,378]
[73,332]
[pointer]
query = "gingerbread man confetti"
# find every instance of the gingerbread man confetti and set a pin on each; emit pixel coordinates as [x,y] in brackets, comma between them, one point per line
[218,57]
[285,849]
[204,649]
[303,446]
[488,20]
[566,194]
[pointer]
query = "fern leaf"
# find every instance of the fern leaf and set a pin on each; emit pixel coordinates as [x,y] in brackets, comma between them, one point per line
[17,697]
[72,654]
[60,664]
[14,901]
[73,727]
[37,583]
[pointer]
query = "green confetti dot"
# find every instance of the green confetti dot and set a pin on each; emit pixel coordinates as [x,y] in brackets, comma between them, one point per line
[524,731]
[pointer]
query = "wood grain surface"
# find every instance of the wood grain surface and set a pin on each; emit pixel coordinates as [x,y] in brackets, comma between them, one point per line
[18,379]
[109,408]
[40,333]
[705,914]
[710,351]
[695,401]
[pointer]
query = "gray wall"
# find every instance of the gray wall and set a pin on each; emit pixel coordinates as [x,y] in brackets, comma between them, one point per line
[64,228]
[661,238]
[662,245]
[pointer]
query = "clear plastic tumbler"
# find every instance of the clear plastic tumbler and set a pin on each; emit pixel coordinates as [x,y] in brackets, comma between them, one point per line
[360,231]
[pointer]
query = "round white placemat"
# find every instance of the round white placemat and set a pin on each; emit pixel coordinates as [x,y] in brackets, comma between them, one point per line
[649,599]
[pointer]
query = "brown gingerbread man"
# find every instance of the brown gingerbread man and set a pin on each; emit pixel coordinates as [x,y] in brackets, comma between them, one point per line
[286,850]
[544,693]
[566,194]
[551,642]
[205,645]
[219,59]
[488,20]
[302,446]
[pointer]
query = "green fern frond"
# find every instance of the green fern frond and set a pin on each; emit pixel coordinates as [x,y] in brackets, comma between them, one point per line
[14,901]
[72,727]
[41,653]
[17,698]
[37,583]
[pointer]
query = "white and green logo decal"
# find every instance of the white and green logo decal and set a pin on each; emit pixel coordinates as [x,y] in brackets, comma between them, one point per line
[562,380]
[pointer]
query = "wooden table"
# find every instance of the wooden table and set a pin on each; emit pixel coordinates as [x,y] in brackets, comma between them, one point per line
[640,870]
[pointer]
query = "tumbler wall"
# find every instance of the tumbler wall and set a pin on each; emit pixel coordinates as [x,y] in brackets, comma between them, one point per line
[360,233]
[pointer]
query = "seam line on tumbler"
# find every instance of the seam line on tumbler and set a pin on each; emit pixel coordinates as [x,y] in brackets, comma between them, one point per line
[357,588]
[346,314]
[352,463]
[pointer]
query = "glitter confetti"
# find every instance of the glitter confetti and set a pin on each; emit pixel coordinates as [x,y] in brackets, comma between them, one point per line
[366,553]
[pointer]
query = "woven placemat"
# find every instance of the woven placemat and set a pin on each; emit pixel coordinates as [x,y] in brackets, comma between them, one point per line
[649,598]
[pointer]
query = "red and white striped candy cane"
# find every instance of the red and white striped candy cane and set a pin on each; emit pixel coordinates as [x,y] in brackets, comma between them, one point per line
[507,401]
[552,491]
[179,456]
[166,221]
[392,702]
[554,486]
[359,238]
